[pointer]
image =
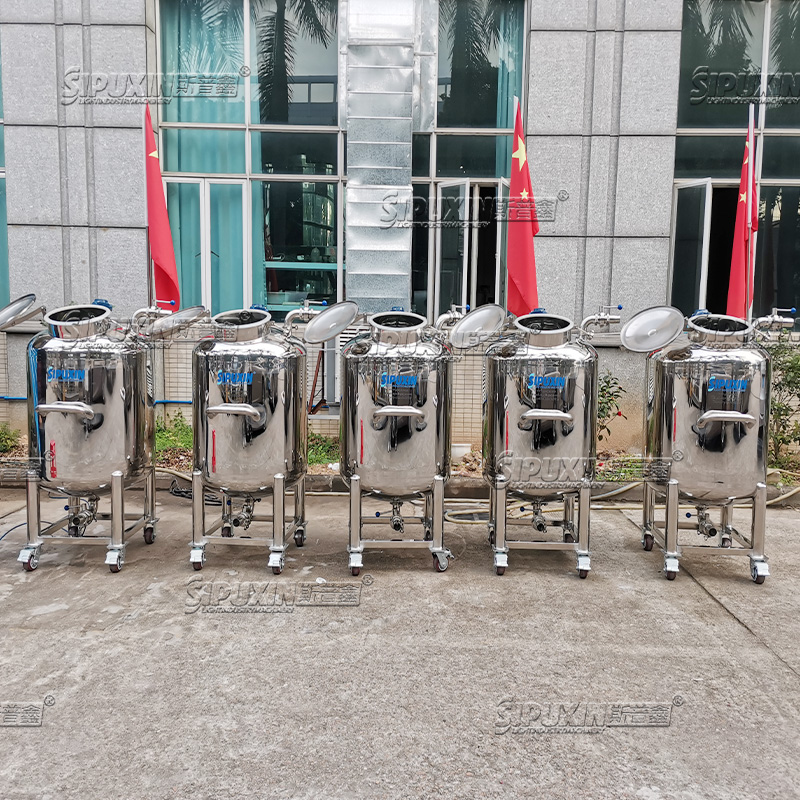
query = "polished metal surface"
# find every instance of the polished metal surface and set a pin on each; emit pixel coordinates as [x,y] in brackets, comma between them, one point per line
[396,405]
[249,405]
[540,413]
[89,408]
[707,408]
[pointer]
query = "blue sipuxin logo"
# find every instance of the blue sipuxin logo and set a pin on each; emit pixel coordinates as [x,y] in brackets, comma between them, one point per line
[235,378]
[716,384]
[546,381]
[54,374]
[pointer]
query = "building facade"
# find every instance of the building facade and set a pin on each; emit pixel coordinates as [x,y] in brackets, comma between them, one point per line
[360,149]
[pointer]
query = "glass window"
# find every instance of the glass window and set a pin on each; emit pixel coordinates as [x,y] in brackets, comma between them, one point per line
[202,60]
[203,151]
[421,155]
[480,62]
[709,156]
[294,243]
[777,278]
[781,157]
[419,251]
[720,62]
[183,207]
[294,153]
[227,246]
[783,88]
[293,62]
[473,156]
[4,293]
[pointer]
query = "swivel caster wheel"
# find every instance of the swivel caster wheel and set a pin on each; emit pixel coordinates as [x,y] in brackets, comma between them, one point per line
[670,576]
[491,536]
[300,537]
[73,531]
[759,571]
[355,571]
[149,534]
[116,566]
[428,536]
[647,542]
[726,542]
[226,532]
[582,573]
[569,538]
[440,563]
[499,570]
[198,565]
[31,563]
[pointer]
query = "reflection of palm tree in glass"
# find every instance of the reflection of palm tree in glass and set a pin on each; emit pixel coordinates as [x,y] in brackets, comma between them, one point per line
[473,80]
[278,24]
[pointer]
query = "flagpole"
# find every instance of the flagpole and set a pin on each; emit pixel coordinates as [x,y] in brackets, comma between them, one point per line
[150,293]
[751,153]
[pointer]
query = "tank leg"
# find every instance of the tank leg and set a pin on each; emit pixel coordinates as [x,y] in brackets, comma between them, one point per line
[648,516]
[300,512]
[115,555]
[277,552]
[492,513]
[584,502]
[726,538]
[29,555]
[150,506]
[569,518]
[355,548]
[198,554]
[427,522]
[500,548]
[759,569]
[441,555]
[671,532]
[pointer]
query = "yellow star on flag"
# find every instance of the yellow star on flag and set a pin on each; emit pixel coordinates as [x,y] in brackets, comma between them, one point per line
[519,153]
[743,197]
[524,194]
[154,154]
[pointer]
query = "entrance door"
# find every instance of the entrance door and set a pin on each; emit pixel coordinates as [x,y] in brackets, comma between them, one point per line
[207,220]
[470,244]
[702,243]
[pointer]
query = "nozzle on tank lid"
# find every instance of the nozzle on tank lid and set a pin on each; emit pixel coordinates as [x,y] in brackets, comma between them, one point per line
[99,301]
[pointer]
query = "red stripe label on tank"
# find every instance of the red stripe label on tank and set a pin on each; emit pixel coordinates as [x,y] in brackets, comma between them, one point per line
[53,470]
[213,451]
[506,447]
[361,458]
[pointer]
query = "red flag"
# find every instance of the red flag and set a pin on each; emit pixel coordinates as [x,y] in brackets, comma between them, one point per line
[165,273]
[740,288]
[523,225]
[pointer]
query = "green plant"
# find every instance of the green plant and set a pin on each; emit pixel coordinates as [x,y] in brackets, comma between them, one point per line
[9,438]
[174,434]
[784,427]
[609,396]
[322,449]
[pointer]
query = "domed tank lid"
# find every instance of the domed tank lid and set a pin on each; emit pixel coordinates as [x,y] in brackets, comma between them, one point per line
[479,325]
[719,330]
[397,327]
[331,322]
[77,322]
[241,325]
[169,323]
[545,330]
[652,329]
[17,311]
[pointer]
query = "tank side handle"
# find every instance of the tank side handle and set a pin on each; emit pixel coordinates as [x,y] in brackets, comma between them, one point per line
[726,416]
[66,408]
[238,409]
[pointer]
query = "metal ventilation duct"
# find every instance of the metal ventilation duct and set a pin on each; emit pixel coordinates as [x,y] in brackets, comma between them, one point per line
[380,88]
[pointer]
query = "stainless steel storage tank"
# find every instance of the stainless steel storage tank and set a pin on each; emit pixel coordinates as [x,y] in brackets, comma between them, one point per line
[90,426]
[540,426]
[706,414]
[250,427]
[395,424]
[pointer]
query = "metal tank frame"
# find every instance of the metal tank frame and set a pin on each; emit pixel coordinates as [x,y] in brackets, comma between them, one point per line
[389,339]
[82,503]
[536,331]
[283,529]
[729,541]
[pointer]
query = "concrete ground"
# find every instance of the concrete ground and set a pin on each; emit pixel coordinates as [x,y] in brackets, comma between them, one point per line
[401,683]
